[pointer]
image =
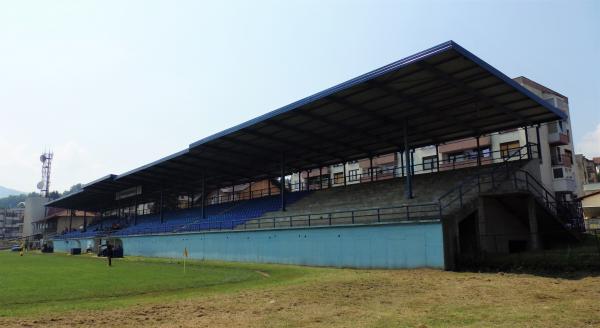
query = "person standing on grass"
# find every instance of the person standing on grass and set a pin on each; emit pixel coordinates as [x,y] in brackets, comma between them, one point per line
[109,253]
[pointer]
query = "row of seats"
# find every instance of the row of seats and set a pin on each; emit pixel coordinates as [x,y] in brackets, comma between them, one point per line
[96,228]
[218,216]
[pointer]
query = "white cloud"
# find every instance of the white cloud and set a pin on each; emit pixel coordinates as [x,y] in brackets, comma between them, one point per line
[590,144]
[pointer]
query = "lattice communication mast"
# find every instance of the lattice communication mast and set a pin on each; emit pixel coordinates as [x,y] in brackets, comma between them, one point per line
[44,185]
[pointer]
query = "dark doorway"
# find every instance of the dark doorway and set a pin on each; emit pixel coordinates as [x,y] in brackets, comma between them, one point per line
[467,237]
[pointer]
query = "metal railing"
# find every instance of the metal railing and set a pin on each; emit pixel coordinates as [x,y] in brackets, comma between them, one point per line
[569,213]
[483,180]
[377,173]
[404,213]
[515,178]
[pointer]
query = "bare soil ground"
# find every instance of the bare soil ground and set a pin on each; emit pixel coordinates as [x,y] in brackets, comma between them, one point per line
[374,298]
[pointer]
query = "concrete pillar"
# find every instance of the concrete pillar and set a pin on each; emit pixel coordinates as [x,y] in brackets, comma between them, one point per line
[536,244]
[486,243]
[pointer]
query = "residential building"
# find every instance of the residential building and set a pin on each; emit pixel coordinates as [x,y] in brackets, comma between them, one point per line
[331,176]
[11,222]
[586,172]
[61,220]
[591,210]
[34,212]
[559,174]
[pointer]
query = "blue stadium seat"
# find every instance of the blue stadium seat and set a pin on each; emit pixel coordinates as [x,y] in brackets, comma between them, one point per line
[218,216]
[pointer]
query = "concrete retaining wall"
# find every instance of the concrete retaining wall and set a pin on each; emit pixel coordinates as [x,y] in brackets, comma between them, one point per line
[407,245]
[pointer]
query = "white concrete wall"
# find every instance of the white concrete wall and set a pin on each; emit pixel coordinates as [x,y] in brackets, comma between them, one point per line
[34,211]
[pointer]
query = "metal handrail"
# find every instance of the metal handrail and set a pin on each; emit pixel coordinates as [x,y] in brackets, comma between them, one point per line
[474,180]
[547,198]
[412,212]
[531,184]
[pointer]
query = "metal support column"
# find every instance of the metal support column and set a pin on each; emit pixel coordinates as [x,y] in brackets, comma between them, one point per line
[437,157]
[539,146]
[345,182]
[282,183]
[527,145]
[320,177]
[478,152]
[202,197]
[161,207]
[408,192]
[84,220]
[307,176]
[402,162]
[371,167]
[70,220]
[412,162]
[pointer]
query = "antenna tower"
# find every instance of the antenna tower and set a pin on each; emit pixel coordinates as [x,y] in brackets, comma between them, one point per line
[44,185]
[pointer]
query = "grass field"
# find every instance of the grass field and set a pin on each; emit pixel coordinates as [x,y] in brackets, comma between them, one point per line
[60,291]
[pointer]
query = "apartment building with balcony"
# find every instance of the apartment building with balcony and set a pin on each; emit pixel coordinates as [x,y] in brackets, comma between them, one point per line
[559,174]
[328,176]
[559,144]
[586,171]
[11,222]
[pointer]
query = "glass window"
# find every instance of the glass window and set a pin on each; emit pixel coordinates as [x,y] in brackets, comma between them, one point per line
[338,178]
[352,175]
[486,152]
[510,148]
[558,173]
[429,162]
[376,170]
[456,157]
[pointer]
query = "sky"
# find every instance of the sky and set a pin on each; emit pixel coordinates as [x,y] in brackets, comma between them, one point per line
[112,85]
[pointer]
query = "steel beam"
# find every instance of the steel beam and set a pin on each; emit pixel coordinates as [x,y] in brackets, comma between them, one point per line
[463,87]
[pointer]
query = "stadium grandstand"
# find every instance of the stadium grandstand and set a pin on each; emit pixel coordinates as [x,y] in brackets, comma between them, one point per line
[230,196]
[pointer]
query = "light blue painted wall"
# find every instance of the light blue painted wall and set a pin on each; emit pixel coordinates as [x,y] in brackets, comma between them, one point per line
[372,246]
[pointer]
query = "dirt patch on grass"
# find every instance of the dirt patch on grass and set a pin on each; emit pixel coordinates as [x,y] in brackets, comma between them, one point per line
[360,298]
[262,273]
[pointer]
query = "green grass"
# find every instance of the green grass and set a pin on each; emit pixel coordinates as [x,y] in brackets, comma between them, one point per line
[52,290]
[38,283]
